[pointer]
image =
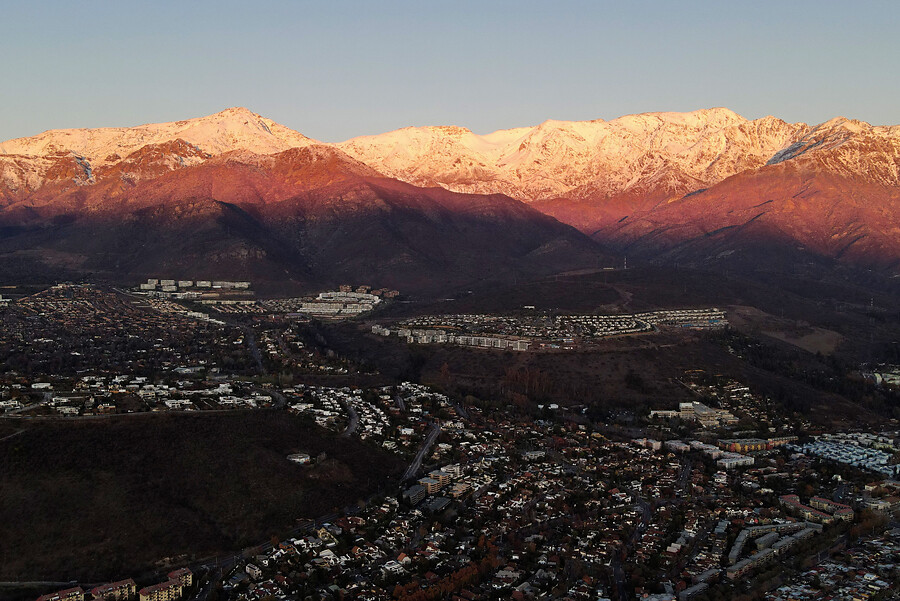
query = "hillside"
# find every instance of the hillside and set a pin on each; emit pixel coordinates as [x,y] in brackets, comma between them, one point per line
[99,499]
[433,207]
[310,215]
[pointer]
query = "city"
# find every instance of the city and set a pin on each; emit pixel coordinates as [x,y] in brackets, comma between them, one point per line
[450,301]
[701,500]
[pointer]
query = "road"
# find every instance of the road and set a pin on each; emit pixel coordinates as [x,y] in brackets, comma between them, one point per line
[616,562]
[285,349]
[460,410]
[280,399]
[693,548]
[48,396]
[209,583]
[11,435]
[254,350]
[618,577]
[685,477]
[354,419]
[18,410]
[416,465]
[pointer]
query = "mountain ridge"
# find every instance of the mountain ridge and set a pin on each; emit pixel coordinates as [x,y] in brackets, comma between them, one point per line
[658,183]
[307,216]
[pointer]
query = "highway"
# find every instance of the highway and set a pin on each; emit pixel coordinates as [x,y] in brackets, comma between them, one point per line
[416,465]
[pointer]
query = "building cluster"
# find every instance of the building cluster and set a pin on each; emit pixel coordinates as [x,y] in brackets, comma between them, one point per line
[395,417]
[443,337]
[861,450]
[450,477]
[366,289]
[724,459]
[737,398]
[882,375]
[770,541]
[115,591]
[166,306]
[614,325]
[171,589]
[91,395]
[163,285]
[882,495]
[516,508]
[706,416]
[869,570]
[212,292]
[340,409]
[286,351]
[495,503]
[748,445]
[337,304]
[819,510]
[71,329]
[539,331]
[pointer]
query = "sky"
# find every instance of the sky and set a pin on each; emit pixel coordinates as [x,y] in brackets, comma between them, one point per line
[337,69]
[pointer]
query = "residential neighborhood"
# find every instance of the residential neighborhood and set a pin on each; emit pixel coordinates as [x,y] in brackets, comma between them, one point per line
[699,499]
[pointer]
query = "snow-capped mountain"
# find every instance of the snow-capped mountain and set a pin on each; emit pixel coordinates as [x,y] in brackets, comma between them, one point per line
[675,151]
[665,155]
[232,129]
[659,183]
[79,154]
[834,192]
[653,182]
[235,196]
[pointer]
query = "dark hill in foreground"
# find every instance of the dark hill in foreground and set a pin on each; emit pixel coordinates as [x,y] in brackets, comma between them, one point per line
[97,499]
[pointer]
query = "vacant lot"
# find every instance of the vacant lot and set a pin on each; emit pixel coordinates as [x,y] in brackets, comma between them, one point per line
[101,499]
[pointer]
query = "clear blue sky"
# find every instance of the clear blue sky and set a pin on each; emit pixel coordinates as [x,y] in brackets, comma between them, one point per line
[336,69]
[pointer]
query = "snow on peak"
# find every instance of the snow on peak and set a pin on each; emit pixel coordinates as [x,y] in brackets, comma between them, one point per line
[232,129]
[556,157]
[545,161]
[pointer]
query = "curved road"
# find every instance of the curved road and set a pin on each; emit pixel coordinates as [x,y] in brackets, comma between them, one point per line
[353,422]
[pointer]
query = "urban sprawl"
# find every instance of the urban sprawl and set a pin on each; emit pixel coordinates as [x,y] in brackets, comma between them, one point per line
[712,498]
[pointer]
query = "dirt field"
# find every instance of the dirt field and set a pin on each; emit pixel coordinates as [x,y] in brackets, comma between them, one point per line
[797,333]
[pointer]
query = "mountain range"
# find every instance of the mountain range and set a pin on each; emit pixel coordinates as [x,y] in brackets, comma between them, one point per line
[237,195]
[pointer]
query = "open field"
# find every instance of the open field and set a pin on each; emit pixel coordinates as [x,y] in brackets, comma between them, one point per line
[102,498]
[800,334]
[815,340]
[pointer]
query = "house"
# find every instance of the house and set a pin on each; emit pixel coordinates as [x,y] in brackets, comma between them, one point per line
[162,591]
[392,567]
[115,591]
[301,458]
[253,570]
[414,494]
[183,575]
[431,485]
[69,594]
